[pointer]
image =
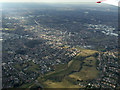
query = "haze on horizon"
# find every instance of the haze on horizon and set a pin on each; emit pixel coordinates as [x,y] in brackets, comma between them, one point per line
[48,1]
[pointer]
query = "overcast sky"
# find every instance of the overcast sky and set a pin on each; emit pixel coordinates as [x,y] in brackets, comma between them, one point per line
[112,2]
[48,0]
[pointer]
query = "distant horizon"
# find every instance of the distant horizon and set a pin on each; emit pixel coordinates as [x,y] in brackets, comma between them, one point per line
[76,3]
[112,2]
[48,1]
[53,2]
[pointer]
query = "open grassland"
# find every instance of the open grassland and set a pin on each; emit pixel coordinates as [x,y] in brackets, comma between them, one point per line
[73,67]
[27,67]
[82,67]
[85,74]
[85,53]
[63,84]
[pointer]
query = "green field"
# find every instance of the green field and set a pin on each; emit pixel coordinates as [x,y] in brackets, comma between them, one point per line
[63,84]
[30,67]
[81,68]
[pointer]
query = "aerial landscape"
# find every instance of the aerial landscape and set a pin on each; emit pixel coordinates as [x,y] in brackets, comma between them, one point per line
[62,45]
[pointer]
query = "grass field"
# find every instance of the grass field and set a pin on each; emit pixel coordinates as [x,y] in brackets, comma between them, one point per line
[31,67]
[85,53]
[63,84]
[66,70]
[81,67]
[85,74]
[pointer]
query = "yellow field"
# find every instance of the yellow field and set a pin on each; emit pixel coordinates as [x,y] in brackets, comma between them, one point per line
[85,74]
[85,52]
[63,84]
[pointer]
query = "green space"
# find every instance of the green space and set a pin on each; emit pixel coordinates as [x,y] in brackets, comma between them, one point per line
[80,70]
[27,67]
